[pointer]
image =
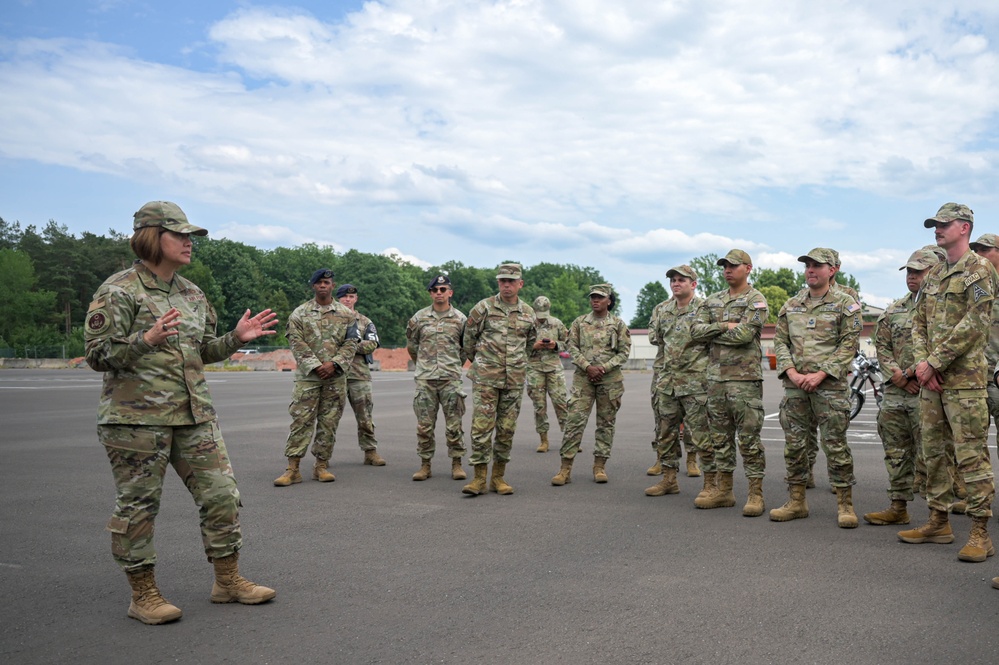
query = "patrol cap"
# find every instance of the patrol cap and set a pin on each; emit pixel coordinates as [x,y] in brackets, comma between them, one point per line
[950,212]
[604,290]
[510,271]
[836,256]
[921,259]
[736,257]
[821,255]
[938,250]
[439,280]
[684,270]
[985,241]
[322,273]
[167,215]
[345,289]
[542,305]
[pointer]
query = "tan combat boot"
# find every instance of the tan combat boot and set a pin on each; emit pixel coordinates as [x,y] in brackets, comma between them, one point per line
[372,458]
[995,582]
[478,484]
[457,473]
[496,482]
[795,508]
[231,587]
[710,478]
[754,502]
[846,518]
[667,485]
[291,475]
[599,472]
[321,472]
[564,475]
[936,530]
[543,447]
[722,496]
[424,471]
[147,605]
[894,514]
[692,470]
[979,546]
[656,469]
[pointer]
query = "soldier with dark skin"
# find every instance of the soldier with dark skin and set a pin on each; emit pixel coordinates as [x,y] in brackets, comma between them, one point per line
[151,332]
[323,337]
[950,332]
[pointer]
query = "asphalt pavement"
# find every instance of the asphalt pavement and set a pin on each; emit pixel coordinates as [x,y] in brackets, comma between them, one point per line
[376,568]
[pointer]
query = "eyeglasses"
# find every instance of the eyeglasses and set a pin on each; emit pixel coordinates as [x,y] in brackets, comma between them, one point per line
[439,289]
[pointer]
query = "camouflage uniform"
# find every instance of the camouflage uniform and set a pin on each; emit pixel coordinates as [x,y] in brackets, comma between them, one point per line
[735,377]
[991,361]
[155,409]
[898,419]
[950,331]
[433,339]
[595,341]
[680,385]
[497,337]
[359,383]
[545,376]
[317,334]
[817,334]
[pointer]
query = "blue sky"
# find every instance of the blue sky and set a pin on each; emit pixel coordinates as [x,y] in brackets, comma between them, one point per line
[628,136]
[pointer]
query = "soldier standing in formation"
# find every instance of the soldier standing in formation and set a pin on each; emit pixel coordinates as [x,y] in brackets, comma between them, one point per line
[498,334]
[950,332]
[433,339]
[323,337]
[680,392]
[151,332]
[731,321]
[359,378]
[898,419]
[545,376]
[817,336]
[599,343]
[987,246]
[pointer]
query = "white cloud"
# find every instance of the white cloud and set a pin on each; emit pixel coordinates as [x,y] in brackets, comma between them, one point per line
[397,254]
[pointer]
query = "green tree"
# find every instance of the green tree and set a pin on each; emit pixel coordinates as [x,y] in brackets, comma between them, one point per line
[651,295]
[776,297]
[568,299]
[10,234]
[787,279]
[387,294]
[28,313]
[847,279]
[237,271]
[710,275]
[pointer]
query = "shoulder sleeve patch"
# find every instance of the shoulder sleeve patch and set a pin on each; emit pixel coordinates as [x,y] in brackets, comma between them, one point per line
[853,308]
[98,321]
[96,304]
[759,305]
[968,281]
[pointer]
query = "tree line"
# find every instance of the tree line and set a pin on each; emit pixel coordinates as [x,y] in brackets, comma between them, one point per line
[48,276]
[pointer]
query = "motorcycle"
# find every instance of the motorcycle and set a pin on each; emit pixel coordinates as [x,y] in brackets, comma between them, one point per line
[865,370]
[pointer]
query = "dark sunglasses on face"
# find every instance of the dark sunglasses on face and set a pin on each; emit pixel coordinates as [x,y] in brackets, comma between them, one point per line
[439,289]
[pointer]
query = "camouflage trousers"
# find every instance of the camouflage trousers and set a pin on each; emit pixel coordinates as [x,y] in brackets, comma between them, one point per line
[540,385]
[584,393]
[993,403]
[688,442]
[493,410]
[901,437]
[316,406]
[959,418]
[735,410]
[812,444]
[692,410]
[362,402]
[799,413]
[139,456]
[449,396]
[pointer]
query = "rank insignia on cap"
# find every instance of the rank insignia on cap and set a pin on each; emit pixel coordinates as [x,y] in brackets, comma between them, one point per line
[98,322]
[440,279]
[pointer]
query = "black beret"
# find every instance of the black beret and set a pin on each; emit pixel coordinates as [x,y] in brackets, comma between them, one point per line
[345,289]
[439,280]
[322,273]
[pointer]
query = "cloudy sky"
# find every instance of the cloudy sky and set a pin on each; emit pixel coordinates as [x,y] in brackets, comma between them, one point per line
[629,136]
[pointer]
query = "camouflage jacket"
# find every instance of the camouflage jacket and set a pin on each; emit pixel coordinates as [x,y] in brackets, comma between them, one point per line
[684,366]
[992,348]
[818,334]
[317,334]
[359,368]
[605,342]
[548,360]
[145,384]
[433,340]
[497,337]
[950,328]
[893,341]
[733,355]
